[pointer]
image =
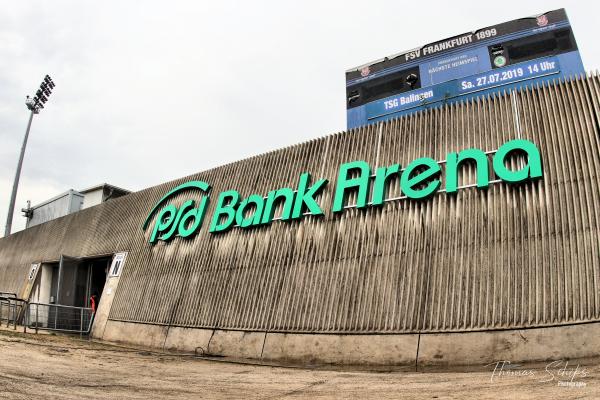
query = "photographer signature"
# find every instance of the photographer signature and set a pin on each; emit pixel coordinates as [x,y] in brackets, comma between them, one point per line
[560,371]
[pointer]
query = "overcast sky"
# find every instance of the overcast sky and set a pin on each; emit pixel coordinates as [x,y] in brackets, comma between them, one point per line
[152,91]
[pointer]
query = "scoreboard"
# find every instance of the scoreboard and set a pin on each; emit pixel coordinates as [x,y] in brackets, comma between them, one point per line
[491,59]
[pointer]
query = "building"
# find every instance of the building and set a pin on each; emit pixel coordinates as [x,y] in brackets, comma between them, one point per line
[464,234]
[69,202]
[101,193]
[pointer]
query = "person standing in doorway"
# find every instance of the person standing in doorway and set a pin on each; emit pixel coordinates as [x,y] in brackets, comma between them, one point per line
[94,302]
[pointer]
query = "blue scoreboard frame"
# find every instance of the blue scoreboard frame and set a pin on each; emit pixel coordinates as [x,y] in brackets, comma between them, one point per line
[491,59]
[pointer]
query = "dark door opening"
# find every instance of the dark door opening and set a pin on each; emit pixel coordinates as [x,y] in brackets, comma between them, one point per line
[80,279]
[62,291]
[98,271]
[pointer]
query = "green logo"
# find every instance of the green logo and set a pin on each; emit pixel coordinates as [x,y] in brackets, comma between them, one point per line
[184,221]
[500,61]
[420,179]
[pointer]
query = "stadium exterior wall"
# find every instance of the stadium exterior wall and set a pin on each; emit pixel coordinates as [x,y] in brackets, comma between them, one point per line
[512,270]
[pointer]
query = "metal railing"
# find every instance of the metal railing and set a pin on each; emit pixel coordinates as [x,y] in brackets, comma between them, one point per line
[41,316]
[56,317]
[11,309]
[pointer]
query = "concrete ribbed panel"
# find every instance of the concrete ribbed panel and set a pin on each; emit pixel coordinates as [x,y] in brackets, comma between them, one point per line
[510,256]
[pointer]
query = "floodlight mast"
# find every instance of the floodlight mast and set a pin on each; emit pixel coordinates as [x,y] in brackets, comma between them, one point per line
[34,106]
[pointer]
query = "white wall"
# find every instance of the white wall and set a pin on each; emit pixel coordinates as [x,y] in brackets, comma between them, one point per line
[93,198]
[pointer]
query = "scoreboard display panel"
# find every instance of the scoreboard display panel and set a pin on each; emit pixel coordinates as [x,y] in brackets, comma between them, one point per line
[491,59]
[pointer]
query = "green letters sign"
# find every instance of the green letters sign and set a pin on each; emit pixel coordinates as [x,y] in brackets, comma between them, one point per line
[420,179]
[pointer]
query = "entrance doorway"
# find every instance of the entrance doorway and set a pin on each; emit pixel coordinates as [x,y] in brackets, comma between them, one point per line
[72,281]
[62,292]
[97,271]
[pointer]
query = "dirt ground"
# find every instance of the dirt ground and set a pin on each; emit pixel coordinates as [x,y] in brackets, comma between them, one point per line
[58,367]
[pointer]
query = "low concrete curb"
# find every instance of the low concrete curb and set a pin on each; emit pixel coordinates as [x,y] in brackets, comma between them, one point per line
[421,351]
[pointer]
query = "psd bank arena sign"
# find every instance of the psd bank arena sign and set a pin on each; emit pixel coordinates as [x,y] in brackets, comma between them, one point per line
[419,180]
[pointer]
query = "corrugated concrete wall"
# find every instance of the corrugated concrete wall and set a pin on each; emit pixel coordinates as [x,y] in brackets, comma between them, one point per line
[506,257]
